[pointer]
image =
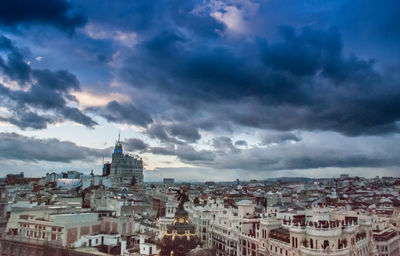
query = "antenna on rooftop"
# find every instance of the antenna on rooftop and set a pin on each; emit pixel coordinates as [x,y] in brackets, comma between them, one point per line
[119,137]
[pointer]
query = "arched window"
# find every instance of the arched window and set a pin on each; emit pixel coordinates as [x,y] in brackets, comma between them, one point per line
[326,244]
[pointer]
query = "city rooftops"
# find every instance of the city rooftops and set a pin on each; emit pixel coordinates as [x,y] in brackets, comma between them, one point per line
[244,203]
[281,234]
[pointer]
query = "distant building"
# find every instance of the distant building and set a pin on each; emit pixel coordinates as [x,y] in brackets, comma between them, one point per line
[209,183]
[70,175]
[168,182]
[13,179]
[125,169]
[3,207]
[344,176]
[51,177]
[106,169]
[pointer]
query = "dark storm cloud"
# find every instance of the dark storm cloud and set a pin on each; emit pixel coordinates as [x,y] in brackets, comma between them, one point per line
[177,133]
[301,78]
[48,91]
[189,154]
[146,17]
[25,119]
[224,144]
[241,143]
[124,113]
[134,144]
[287,156]
[14,146]
[185,132]
[280,138]
[14,67]
[304,72]
[185,153]
[59,13]
[158,131]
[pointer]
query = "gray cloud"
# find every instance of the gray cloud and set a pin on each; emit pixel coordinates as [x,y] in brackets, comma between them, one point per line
[224,145]
[342,152]
[184,131]
[177,133]
[124,113]
[280,138]
[134,144]
[48,92]
[14,146]
[241,143]
[159,132]
[185,153]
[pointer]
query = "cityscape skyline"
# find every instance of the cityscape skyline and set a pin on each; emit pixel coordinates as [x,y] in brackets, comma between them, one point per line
[199,128]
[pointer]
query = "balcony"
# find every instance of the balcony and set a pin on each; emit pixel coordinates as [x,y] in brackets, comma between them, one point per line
[313,231]
[350,228]
[318,252]
[362,243]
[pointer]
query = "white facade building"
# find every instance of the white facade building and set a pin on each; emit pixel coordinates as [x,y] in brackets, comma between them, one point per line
[125,168]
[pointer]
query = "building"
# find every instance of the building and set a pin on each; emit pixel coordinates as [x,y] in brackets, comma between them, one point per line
[386,242]
[316,231]
[42,232]
[65,229]
[3,208]
[147,247]
[106,169]
[13,179]
[170,209]
[168,182]
[125,169]
[180,237]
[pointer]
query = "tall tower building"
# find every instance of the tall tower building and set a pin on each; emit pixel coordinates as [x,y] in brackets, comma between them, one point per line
[125,169]
[3,207]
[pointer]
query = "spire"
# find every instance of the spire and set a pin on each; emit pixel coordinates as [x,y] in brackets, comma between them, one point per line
[118,145]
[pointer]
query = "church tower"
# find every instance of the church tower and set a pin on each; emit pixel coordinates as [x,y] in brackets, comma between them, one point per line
[180,237]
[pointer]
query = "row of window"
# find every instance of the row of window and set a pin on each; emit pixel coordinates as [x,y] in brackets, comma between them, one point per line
[280,250]
[41,227]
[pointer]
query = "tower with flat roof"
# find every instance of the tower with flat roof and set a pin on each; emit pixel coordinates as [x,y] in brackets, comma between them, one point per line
[125,169]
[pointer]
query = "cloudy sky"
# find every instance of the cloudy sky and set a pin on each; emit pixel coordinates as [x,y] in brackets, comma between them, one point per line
[201,89]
